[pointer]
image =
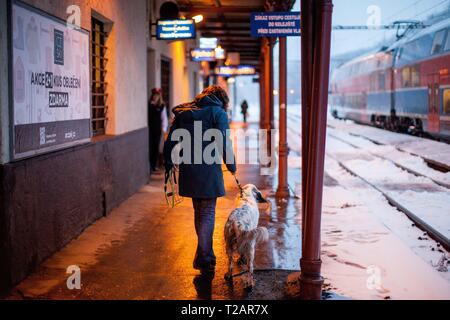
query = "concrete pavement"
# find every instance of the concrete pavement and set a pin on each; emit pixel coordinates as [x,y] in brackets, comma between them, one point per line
[144,250]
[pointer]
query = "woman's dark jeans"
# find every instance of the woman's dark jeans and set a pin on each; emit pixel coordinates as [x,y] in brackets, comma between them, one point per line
[205,211]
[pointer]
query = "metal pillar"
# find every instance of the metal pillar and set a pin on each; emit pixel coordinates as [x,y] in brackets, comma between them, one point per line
[283,150]
[268,88]
[307,52]
[271,100]
[262,92]
[310,278]
[269,95]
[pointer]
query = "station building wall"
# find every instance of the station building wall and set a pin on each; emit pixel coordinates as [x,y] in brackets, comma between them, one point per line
[185,80]
[48,200]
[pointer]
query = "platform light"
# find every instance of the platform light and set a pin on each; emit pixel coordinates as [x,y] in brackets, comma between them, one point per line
[291,91]
[220,53]
[275,92]
[231,80]
[198,55]
[208,43]
[198,18]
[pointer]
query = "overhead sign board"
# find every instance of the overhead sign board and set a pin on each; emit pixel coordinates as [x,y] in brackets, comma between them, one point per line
[175,29]
[240,70]
[199,55]
[208,43]
[275,24]
[51,83]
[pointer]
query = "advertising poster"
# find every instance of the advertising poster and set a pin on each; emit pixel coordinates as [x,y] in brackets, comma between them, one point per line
[51,83]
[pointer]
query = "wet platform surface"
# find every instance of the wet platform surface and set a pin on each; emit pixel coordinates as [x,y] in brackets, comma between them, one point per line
[144,250]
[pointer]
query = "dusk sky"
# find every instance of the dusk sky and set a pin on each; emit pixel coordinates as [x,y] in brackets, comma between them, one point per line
[354,12]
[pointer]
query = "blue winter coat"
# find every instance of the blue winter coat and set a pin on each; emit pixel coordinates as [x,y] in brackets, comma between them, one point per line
[200,179]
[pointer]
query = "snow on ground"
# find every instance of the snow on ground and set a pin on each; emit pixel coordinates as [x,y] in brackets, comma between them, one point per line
[427,200]
[370,250]
[425,148]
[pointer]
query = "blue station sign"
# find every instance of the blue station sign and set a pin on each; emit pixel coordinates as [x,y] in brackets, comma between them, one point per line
[275,24]
[175,29]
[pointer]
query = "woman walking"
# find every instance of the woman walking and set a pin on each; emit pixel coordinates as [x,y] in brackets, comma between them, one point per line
[201,180]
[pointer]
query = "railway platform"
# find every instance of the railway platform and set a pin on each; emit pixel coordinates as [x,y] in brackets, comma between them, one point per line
[144,250]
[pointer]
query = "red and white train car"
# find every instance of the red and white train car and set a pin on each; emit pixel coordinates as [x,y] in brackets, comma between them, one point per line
[405,87]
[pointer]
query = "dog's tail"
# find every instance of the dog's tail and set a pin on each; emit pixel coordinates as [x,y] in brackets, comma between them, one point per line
[259,234]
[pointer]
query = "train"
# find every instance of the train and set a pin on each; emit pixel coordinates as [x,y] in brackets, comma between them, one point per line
[404,87]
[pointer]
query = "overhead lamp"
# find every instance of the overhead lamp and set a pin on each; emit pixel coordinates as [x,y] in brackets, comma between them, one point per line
[198,18]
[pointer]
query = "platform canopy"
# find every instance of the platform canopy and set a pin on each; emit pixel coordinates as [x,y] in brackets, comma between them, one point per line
[229,21]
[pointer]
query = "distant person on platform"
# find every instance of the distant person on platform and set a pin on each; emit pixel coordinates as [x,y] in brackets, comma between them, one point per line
[244,110]
[157,123]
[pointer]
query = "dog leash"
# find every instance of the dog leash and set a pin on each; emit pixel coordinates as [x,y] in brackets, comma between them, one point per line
[171,195]
[241,190]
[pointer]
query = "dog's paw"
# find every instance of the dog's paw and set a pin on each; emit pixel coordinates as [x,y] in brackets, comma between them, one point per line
[249,283]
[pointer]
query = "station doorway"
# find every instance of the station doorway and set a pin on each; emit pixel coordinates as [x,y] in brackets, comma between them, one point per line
[166,71]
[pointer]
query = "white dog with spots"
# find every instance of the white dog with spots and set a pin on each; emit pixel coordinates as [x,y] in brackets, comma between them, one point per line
[242,232]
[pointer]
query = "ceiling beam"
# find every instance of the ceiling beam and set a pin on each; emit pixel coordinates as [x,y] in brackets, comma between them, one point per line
[221,29]
[226,9]
[237,49]
[236,36]
[228,20]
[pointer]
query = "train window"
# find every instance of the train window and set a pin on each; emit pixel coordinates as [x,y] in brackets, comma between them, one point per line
[382,81]
[446,104]
[406,77]
[373,82]
[415,76]
[438,42]
[423,46]
[447,45]
[416,50]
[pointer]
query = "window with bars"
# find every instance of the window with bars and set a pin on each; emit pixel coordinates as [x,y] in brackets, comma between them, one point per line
[99,95]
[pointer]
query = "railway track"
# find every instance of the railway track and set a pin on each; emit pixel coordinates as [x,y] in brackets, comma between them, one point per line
[439,166]
[422,224]
[409,170]
[294,121]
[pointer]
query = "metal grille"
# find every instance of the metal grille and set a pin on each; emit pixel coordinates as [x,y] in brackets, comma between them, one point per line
[165,81]
[99,95]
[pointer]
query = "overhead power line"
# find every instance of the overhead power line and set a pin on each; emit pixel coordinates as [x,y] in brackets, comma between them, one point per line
[394,26]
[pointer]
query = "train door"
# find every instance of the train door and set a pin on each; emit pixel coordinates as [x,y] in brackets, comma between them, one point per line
[433,103]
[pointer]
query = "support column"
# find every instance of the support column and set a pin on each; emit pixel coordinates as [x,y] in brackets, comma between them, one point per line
[271,100]
[307,51]
[283,150]
[310,279]
[269,114]
[268,89]
[262,92]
